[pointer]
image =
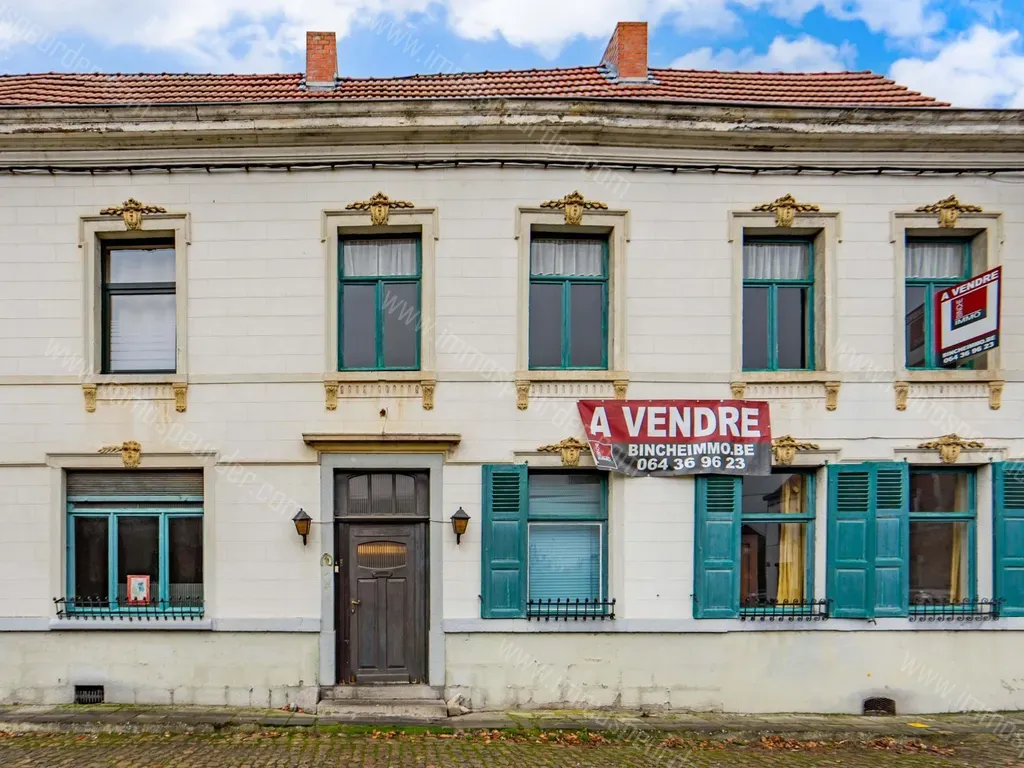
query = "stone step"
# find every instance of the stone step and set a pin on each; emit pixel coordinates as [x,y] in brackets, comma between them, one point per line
[383,693]
[361,710]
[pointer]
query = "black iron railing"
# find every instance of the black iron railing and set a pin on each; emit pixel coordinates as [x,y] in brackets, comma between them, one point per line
[570,609]
[974,609]
[98,608]
[759,609]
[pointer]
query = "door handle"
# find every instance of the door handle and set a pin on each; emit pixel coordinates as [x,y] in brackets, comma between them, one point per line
[355,602]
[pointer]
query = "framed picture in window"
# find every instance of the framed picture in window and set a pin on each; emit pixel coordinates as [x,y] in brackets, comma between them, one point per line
[138,590]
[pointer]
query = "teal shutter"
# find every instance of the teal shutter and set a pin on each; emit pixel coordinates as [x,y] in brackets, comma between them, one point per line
[716,575]
[892,538]
[850,541]
[1008,529]
[503,568]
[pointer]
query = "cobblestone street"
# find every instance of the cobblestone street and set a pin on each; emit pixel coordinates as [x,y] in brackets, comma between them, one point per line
[295,749]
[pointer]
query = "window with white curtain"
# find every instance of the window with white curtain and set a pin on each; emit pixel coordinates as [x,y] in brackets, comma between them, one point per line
[932,264]
[568,302]
[139,307]
[379,303]
[778,305]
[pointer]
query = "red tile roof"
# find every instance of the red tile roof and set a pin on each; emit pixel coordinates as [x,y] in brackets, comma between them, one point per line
[827,89]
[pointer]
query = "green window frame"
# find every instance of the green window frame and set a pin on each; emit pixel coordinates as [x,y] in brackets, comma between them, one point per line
[567,283]
[930,287]
[772,287]
[114,509]
[966,516]
[383,304]
[718,537]
[509,520]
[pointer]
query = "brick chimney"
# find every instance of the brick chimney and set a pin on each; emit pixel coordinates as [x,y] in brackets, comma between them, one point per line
[626,54]
[321,59]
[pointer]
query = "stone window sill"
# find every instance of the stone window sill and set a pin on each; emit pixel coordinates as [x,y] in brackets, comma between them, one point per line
[829,381]
[377,384]
[168,624]
[118,387]
[978,384]
[571,384]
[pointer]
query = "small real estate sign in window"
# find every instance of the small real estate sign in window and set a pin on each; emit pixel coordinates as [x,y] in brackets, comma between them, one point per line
[967,317]
[679,437]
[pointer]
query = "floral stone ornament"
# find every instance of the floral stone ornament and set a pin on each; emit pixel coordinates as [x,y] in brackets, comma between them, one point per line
[131,210]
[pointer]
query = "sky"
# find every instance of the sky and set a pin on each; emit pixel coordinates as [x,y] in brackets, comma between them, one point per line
[968,52]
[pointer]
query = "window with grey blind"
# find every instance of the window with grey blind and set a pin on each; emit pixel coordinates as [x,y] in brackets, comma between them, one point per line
[123,525]
[139,306]
[566,533]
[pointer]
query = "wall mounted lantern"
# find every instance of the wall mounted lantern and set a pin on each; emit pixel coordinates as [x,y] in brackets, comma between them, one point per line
[303,523]
[460,522]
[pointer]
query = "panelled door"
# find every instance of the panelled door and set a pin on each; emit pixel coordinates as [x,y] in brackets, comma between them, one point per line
[381,546]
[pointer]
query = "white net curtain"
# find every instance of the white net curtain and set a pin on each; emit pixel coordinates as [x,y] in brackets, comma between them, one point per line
[379,258]
[935,261]
[776,261]
[578,258]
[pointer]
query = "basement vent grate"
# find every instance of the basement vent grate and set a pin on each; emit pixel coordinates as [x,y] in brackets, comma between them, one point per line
[88,694]
[879,706]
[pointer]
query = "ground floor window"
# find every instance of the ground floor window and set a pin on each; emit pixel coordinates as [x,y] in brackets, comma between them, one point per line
[942,513]
[754,542]
[544,539]
[135,541]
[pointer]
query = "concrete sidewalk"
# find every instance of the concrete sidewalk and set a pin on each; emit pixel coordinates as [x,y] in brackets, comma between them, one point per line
[117,718]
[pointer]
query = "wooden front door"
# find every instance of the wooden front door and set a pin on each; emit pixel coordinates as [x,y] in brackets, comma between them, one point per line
[383,602]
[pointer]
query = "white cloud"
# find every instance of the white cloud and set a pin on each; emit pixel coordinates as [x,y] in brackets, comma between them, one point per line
[803,54]
[981,68]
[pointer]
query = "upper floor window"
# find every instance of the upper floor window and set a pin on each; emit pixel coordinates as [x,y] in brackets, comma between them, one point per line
[778,305]
[932,264]
[379,283]
[139,306]
[568,303]
[135,540]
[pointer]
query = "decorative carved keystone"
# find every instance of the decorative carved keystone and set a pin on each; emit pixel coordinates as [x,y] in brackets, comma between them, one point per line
[131,453]
[739,389]
[621,385]
[949,447]
[784,449]
[786,208]
[574,204]
[949,211]
[569,448]
[379,206]
[131,210]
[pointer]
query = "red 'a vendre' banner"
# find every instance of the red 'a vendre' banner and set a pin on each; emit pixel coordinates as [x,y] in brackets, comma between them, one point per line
[679,437]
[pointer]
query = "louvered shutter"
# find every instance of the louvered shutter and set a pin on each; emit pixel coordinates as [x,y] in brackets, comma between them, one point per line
[503,550]
[891,491]
[716,578]
[851,541]
[1008,532]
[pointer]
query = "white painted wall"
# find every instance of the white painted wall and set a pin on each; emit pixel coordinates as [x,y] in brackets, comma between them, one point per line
[830,672]
[256,345]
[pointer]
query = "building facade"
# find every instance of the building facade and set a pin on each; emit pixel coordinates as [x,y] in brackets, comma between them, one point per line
[382,307]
